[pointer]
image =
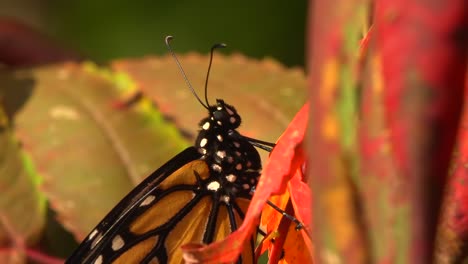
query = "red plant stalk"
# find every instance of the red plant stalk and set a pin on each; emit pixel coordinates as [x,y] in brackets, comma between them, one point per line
[384,195]
[339,234]
[423,67]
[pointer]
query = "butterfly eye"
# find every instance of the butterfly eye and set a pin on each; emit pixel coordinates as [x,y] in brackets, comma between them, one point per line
[221,115]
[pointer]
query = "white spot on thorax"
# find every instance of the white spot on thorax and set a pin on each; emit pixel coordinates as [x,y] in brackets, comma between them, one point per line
[213,186]
[216,167]
[219,123]
[221,154]
[148,200]
[203,142]
[117,243]
[225,199]
[231,178]
[206,126]
[219,108]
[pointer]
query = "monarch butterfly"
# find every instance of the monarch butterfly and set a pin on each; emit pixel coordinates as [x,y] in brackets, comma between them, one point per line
[200,195]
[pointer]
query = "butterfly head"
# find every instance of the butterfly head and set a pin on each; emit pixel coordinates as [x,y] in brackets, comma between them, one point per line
[224,116]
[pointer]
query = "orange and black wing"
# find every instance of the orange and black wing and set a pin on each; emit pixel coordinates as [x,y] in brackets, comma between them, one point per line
[170,208]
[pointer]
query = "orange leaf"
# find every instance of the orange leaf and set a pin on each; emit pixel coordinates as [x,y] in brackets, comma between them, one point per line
[280,167]
[297,245]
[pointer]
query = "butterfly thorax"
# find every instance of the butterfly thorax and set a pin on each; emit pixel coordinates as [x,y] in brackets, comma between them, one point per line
[234,163]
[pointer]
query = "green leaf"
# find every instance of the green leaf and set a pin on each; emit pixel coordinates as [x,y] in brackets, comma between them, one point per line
[90,153]
[22,207]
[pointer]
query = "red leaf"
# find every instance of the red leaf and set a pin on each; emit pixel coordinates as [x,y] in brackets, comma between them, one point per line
[452,235]
[301,198]
[21,45]
[280,167]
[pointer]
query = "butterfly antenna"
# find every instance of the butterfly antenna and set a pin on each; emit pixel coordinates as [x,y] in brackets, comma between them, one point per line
[168,40]
[215,46]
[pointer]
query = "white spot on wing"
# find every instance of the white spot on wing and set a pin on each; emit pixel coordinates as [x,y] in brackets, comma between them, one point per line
[96,240]
[236,144]
[148,200]
[93,234]
[117,243]
[232,119]
[229,111]
[245,186]
[239,166]
[98,260]
[206,126]
[220,138]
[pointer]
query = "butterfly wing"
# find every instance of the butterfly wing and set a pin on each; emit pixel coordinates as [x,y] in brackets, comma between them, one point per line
[128,209]
[169,208]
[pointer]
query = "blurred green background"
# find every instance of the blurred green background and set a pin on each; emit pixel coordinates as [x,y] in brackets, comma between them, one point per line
[106,29]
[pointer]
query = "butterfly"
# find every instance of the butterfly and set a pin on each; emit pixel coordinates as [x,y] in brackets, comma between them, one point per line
[200,195]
